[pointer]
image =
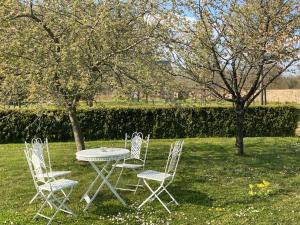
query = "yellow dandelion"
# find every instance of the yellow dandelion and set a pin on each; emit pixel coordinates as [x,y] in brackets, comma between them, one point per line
[260,185]
[219,209]
[266,183]
[251,193]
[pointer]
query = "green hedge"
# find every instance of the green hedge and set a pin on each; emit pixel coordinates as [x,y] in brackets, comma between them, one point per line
[18,125]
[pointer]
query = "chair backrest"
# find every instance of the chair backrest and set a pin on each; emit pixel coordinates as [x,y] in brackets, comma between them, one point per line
[39,147]
[28,152]
[136,143]
[173,158]
[35,165]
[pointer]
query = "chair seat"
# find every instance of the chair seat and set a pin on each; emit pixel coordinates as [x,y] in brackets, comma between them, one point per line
[129,165]
[58,185]
[154,175]
[56,174]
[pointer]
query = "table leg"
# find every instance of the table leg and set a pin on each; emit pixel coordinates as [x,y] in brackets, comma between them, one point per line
[105,181]
[93,183]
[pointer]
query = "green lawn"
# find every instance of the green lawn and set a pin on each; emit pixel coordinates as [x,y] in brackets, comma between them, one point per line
[211,186]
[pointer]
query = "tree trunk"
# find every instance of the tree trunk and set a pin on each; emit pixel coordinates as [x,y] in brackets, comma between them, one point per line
[90,102]
[240,116]
[265,96]
[76,129]
[262,97]
[147,98]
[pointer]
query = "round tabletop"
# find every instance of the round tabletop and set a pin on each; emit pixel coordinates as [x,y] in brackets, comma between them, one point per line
[102,154]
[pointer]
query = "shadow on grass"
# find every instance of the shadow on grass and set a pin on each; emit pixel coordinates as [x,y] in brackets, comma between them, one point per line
[183,195]
[105,206]
[109,209]
[259,155]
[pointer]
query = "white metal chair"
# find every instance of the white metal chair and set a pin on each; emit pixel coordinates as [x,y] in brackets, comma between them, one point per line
[135,161]
[38,147]
[48,190]
[164,178]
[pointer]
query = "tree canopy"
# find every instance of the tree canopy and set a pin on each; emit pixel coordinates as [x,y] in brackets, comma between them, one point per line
[66,49]
[235,49]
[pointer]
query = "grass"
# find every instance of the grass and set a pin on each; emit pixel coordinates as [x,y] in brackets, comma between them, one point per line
[211,185]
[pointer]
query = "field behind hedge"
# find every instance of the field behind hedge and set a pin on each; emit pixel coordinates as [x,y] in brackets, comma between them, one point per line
[171,122]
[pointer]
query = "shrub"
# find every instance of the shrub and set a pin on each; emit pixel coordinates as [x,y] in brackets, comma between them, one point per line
[18,125]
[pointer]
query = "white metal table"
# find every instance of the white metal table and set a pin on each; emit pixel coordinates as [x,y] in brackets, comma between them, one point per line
[109,156]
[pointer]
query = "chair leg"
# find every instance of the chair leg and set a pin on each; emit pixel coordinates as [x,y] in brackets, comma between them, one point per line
[65,208]
[147,199]
[154,194]
[59,207]
[51,199]
[62,191]
[116,184]
[164,188]
[137,186]
[174,200]
[34,197]
[46,201]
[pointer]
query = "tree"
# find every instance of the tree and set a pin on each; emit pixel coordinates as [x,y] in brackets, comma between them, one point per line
[13,91]
[286,82]
[231,47]
[151,79]
[67,48]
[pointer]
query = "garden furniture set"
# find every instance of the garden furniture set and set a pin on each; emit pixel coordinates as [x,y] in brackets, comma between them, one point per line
[53,189]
